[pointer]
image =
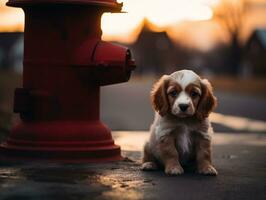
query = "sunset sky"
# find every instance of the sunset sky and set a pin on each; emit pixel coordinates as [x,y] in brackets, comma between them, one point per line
[177,17]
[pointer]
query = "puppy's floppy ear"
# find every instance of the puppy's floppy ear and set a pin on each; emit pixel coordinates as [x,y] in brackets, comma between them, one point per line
[207,101]
[159,97]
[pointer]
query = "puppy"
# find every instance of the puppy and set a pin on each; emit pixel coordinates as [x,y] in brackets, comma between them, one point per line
[180,135]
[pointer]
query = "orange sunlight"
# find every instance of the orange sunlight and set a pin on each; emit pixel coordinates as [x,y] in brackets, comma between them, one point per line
[11,19]
[125,26]
[162,13]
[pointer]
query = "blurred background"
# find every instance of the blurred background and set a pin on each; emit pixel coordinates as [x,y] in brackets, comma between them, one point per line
[222,40]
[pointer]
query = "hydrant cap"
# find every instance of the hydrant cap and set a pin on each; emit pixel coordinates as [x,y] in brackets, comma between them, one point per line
[111,4]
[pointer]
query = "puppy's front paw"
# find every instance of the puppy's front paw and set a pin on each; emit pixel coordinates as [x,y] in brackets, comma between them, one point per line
[174,170]
[208,170]
[149,166]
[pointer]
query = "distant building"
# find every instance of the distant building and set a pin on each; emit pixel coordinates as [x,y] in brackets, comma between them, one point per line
[154,52]
[11,51]
[255,53]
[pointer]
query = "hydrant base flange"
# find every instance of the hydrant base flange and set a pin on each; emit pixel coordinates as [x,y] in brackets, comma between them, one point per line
[61,141]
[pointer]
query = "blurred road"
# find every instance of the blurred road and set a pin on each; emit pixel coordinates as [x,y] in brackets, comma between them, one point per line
[244,105]
[127,107]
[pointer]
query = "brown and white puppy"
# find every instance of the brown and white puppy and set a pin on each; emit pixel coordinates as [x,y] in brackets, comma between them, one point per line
[181,131]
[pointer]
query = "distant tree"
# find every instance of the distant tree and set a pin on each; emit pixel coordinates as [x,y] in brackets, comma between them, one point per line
[230,15]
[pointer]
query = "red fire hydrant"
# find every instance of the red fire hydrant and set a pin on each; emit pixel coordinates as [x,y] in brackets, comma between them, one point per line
[65,63]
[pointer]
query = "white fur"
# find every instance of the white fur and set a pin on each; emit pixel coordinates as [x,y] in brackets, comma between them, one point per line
[184,141]
[183,98]
[184,77]
[161,127]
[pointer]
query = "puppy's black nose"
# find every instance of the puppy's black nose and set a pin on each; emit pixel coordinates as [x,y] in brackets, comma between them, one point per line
[183,107]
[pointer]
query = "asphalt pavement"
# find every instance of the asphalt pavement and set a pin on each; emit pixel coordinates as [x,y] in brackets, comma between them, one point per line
[239,158]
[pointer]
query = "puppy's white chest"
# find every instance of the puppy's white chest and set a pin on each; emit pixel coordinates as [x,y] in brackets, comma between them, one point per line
[183,140]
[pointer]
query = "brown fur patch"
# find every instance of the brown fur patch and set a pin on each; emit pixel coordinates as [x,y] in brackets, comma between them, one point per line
[194,88]
[203,150]
[207,101]
[169,154]
[159,97]
[204,156]
[173,86]
[147,155]
[190,87]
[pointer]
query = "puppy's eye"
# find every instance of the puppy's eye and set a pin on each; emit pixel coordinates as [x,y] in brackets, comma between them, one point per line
[194,94]
[173,93]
